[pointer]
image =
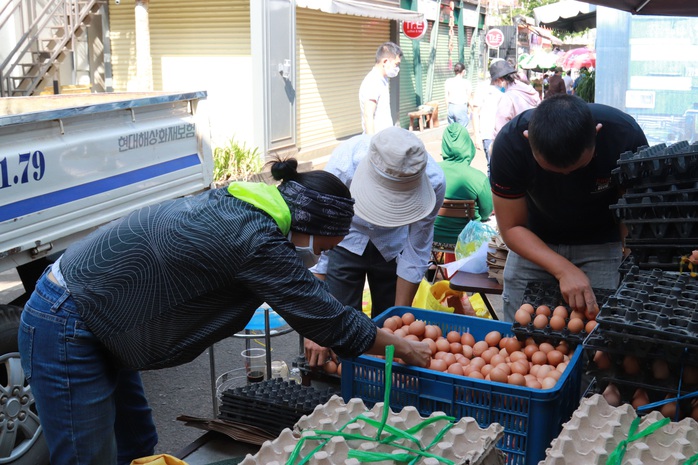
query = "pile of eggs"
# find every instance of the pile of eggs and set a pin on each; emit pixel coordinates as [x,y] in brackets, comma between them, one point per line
[495,358]
[558,318]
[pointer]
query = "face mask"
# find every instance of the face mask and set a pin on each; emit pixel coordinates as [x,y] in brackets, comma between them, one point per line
[502,89]
[392,72]
[307,254]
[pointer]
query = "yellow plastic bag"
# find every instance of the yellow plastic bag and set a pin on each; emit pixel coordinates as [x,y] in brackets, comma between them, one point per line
[429,297]
[479,306]
[159,459]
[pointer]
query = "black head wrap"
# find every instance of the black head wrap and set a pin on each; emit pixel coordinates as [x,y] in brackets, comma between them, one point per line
[314,212]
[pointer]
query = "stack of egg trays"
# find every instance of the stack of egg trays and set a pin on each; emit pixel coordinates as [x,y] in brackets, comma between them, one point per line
[653,307]
[659,205]
[271,405]
[537,294]
[616,350]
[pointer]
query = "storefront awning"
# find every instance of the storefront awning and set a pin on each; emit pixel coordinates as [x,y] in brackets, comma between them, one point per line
[568,16]
[544,33]
[362,8]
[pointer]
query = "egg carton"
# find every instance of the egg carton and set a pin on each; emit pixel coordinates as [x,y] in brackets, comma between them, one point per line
[596,429]
[464,443]
[538,293]
[679,160]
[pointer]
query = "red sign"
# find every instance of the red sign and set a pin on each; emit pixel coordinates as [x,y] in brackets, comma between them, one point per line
[494,38]
[414,30]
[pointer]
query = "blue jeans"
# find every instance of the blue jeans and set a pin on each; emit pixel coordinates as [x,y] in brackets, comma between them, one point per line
[92,412]
[599,262]
[458,114]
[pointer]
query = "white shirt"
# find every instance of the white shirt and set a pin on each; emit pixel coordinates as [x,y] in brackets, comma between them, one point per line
[458,90]
[410,244]
[376,87]
[487,100]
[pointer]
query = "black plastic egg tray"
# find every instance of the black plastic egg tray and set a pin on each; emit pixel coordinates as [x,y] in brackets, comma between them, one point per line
[316,373]
[663,229]
[273,404]
[650,254]
[655,307]
[659,162]
[536,294]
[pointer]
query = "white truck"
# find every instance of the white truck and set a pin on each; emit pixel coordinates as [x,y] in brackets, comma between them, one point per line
[68,164]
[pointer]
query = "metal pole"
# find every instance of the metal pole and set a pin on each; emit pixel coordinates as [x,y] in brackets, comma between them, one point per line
[212,370]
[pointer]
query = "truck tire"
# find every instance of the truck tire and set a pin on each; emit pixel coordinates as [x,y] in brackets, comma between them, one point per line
[21,438]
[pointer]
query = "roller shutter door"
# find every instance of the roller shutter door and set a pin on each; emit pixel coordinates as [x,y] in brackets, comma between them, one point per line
[178,28]
[334,53]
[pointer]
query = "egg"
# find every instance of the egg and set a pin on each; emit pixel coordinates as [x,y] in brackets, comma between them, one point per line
[563,348]
[499,376]
[529,350]
[475,374]
[577,314]
[548,383]
[612,395]
[640,398]
[467,339]
[561,311]
[456,348]
[330,367]
[496,360]
[443,345]
[575,325]
[390,324]
[522,317]
[492,338]
[417,328]
[408,318]
[539,358]
[437,365]
[517,379]
[533,383]
[398,321]
[660,369]
[453,336]
[339,369]
[488,354]
[543,310]
[412,337]
[468,351]
[477,363]
[557,323]
[518,356]
[513,345]
[449,358]
[555,358]
[540,321]
[546,347]
[669,410]
[519,367]
[589,327]
[631,365]
[455,369]
[479,347]
[528,308]
[430,332]
[601,360]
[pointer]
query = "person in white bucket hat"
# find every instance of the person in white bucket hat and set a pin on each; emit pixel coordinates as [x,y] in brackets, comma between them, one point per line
[398,188]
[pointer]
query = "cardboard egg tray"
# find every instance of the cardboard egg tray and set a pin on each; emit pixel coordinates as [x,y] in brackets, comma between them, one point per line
[596,429]
[537,294]
[272,405]
[465,442]
[659,162]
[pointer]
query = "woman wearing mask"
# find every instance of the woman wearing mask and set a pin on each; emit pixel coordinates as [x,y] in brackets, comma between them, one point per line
[157,287]
[518,96]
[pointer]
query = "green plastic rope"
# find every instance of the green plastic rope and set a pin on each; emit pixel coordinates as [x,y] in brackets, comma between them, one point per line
[411,455]
[617,455]
[691,460]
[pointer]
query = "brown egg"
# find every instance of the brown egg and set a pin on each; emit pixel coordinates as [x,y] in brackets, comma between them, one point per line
[479,347]
[601,360]
[589,327]
[669,410]
[522,317]
[512,345]
[540,321]
[577,314]
[467,339]
[455,369]
[430,332]
[563,347]
[499,376]
[517,379]
[560,310]
[456,348]
[401,332]
[640,398]
[330,367]
[533,383]
[557,323]
[408,318]
[546,347]
[417,328]
[520,367]
[432,345]
[539,358]
[475,374]
[492,338]
[575,325]
[548,383]
[390,324]
[468,351]
[339,369]
[412,337]
[631,365]
[528,308]
[442,344]
[555,358]
[453,336]
[398,321]
[543,310]
[529,350]
[488,354]
[554,374]
[497,359]
[518,356]
[437,365]
[449,358]
[660,369]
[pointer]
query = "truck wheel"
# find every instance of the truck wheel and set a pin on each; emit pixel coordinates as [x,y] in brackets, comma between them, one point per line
[21,438]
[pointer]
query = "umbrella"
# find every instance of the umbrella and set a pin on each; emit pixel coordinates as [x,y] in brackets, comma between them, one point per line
[540,62]
[652,7]
[579,58]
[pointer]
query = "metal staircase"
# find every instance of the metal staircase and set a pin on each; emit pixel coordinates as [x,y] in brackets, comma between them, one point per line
[45,31]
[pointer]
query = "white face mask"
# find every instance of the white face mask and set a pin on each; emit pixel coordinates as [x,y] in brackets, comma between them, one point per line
[392,72]
[307,254]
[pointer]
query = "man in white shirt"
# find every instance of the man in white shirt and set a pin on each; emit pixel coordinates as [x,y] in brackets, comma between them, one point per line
[374,93]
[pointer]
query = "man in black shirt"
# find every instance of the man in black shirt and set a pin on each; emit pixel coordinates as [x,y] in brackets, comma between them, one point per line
[551,180]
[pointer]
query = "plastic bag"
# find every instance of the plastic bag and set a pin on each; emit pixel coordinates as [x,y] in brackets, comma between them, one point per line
[471,238]
[430,296]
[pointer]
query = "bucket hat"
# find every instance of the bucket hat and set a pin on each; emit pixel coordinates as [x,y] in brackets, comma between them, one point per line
[390,185]
[500,68]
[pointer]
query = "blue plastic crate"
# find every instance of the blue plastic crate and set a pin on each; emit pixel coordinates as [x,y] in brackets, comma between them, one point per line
[531,418]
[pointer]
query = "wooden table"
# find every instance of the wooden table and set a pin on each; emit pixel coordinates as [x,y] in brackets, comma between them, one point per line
[478,283]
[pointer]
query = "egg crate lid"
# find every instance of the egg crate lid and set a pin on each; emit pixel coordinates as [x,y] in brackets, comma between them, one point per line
[659,160]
